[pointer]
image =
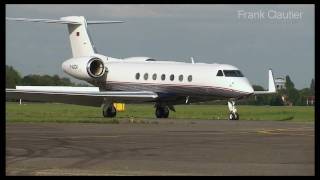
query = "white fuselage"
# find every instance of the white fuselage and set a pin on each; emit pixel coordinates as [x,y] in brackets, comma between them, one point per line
[177,79]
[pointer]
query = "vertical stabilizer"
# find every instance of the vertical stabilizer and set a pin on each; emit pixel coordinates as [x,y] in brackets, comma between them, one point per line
[81,44]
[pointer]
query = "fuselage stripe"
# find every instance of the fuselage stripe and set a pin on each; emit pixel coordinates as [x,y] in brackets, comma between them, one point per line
[177,85]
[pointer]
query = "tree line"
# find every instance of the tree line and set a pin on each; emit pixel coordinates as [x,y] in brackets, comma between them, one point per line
[288,96]
[13,79]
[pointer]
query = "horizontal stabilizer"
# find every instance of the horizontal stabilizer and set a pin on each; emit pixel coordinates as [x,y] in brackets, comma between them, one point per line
[103,22]
[63,20]
[43,20]
[81,45]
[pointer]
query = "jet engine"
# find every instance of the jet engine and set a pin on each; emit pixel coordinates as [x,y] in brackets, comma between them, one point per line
[84,68]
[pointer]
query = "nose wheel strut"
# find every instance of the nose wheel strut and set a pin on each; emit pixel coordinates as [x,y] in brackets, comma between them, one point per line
[233,114]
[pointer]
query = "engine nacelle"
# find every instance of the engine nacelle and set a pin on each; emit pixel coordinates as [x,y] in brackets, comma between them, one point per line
[84,68]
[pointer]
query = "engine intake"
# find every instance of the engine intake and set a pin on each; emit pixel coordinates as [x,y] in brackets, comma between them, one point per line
[84,67]
[95,67]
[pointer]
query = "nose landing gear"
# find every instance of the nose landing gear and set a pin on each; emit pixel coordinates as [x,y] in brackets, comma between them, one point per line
[233,115]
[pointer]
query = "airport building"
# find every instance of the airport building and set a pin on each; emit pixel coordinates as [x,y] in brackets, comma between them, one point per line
[280,83]
[310,100]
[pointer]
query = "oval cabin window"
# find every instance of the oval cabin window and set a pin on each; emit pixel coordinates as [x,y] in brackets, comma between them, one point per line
[163,77]
[154,76]
[137,76]
[181,77]
[146,76]
[171,77]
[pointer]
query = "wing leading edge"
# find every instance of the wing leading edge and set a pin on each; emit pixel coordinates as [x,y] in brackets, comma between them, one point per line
[79,96]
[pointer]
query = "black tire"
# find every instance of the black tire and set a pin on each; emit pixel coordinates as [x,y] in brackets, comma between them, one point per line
[109,111]
[231,116]
[162,112]
[165,112]
[159,112]
[236,116]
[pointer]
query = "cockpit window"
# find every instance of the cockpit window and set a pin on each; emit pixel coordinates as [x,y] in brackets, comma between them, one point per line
[219,73]
[232,73]
[150,59]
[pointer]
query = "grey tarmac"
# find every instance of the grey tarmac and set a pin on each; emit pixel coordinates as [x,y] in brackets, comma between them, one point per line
[161,147]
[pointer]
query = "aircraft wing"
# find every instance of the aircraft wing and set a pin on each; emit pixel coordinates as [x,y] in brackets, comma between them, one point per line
[88,96]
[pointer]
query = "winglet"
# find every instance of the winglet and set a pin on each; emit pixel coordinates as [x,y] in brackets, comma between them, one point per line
[271,85]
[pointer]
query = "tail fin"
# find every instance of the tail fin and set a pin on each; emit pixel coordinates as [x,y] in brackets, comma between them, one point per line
[81,44]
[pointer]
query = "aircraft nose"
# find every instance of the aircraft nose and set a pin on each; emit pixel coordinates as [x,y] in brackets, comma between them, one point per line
[249,89]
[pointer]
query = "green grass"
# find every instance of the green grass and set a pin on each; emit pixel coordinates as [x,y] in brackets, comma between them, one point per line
[51,112]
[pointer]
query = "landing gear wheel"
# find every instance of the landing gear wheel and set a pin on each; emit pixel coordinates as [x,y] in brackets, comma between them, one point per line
[236,116]
[109,111]
[166,112]
[233,116]
[162,112]
[158,113]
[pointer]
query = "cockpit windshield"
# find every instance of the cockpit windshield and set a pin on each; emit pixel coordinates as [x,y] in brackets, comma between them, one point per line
[150,59]
[232,73]
[219,73]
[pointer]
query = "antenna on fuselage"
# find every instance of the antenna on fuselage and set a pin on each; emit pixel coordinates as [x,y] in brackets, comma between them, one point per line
[192,61]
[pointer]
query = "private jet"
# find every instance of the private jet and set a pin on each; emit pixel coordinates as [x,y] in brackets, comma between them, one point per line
[136,79]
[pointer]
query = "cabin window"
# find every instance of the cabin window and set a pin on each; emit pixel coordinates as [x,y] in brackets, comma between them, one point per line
[137,76]
[146,76]
[181,77]
[163,77]
[219,73]
[190,78]
[232,73]
[154,76]
[171,77]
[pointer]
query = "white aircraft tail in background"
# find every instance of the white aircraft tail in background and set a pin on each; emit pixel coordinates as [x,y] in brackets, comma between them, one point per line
[271,85]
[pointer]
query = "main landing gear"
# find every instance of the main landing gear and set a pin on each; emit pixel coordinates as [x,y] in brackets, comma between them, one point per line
[162,111]
[109,111]
[233,115]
